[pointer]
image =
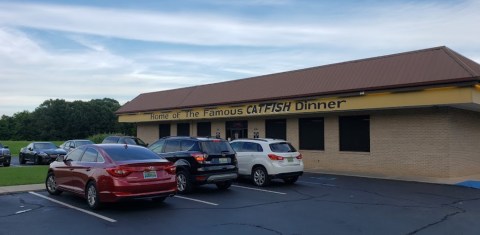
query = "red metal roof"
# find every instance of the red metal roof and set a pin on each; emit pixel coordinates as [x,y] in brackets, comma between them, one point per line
[439,65]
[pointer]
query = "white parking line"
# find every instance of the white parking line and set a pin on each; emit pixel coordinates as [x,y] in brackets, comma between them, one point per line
[75,208]
[306,182]
[256,189]
[196,200]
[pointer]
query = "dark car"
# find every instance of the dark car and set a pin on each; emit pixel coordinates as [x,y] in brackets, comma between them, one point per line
[69,145]
[124,140]
[5,155]
[199,161]
[111,172]
[40,153]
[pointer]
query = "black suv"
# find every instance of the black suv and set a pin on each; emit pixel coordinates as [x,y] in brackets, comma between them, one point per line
[199,161]
[124,140]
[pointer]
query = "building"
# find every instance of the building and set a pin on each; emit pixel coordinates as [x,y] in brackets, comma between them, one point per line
[412,116]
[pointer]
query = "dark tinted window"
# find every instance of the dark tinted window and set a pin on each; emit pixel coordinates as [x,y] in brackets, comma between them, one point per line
[276,129]
[172,146]
[1,146]
[282,148]
[311,133]
[204,129]
[75,155]
[252,147]
[216,146]
[90,155]
[237,146]
[355,133]
[83,142]
[163,130]
[183,129]
[130,153]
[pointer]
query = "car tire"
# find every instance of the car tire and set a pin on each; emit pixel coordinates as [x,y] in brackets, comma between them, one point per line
[184,182]
[290,180]
[260,176]
[21,159]
[37,160]
[159,199]
[5,164]
[224,185]
[91,194]
[51,185]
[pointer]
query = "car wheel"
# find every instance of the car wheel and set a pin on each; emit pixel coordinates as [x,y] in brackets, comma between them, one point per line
[5,164]
[184,183]
[38,160]
[159,199]
[51,184]
[290,180]
[224,185]
[260,176]
[92,196]
[21,159]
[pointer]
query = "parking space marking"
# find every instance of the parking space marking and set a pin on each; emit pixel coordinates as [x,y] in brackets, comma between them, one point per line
[256,189]
[196,200]
[323,184]
[75,208]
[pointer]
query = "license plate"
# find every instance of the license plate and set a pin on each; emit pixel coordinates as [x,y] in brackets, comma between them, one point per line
[223,160]
[290,159]
[149,174]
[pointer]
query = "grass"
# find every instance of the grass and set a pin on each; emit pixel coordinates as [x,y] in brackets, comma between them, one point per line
[15,146]
[22,175]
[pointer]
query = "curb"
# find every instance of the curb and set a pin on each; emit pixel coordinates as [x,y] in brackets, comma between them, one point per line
[21,188]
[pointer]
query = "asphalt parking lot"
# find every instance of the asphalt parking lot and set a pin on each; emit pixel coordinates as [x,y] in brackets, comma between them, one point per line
[317,204]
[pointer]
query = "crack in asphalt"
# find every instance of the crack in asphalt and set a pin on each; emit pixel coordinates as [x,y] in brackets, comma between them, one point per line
[25,210]
[447,216]
[251,225]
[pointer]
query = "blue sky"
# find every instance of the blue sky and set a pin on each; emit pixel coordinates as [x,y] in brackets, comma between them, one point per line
[82,50]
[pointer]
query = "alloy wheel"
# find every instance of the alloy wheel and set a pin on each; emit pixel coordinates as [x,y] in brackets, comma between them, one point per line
[181,182]
[259,177]
[92,195]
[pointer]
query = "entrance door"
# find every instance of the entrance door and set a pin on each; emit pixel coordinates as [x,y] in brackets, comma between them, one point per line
[236,129]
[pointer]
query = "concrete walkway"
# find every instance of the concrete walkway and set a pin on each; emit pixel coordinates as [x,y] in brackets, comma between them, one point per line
[21,188]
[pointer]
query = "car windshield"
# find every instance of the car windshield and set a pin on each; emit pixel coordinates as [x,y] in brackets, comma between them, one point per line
[283,147]
[44,146]
[84,142]
[216,147]
[125,153]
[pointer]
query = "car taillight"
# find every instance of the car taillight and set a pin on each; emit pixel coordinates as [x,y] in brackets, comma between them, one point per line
[299,157]
[200,157]
[118,172]
[171,169]
[275,157]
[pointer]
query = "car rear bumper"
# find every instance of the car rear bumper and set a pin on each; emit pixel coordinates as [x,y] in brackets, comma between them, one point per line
[122,190]
[215,178]
[288,175]
[285,170]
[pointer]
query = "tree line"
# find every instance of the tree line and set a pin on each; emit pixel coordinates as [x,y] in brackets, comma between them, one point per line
[61,120]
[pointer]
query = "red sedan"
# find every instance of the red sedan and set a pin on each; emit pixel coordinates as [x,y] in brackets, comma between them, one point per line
[112,172]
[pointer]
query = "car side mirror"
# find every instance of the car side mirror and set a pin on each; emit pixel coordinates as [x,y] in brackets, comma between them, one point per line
[30,149]
[61,158]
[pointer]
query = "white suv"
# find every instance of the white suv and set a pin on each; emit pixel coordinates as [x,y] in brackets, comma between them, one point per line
[266,159]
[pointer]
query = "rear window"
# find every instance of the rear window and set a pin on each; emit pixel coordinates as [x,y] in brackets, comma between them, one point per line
[216,147]
[282,148]
[129,153]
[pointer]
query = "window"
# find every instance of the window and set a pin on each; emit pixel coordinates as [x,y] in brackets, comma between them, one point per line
[163,130]
[355,133]
[75,155]
[282,148]
[183,129]
[311,133]
[236,129]
[189,145]
[252,147]
[276,129]
[90,155]
[172,146]
[204,129]
[157,146]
